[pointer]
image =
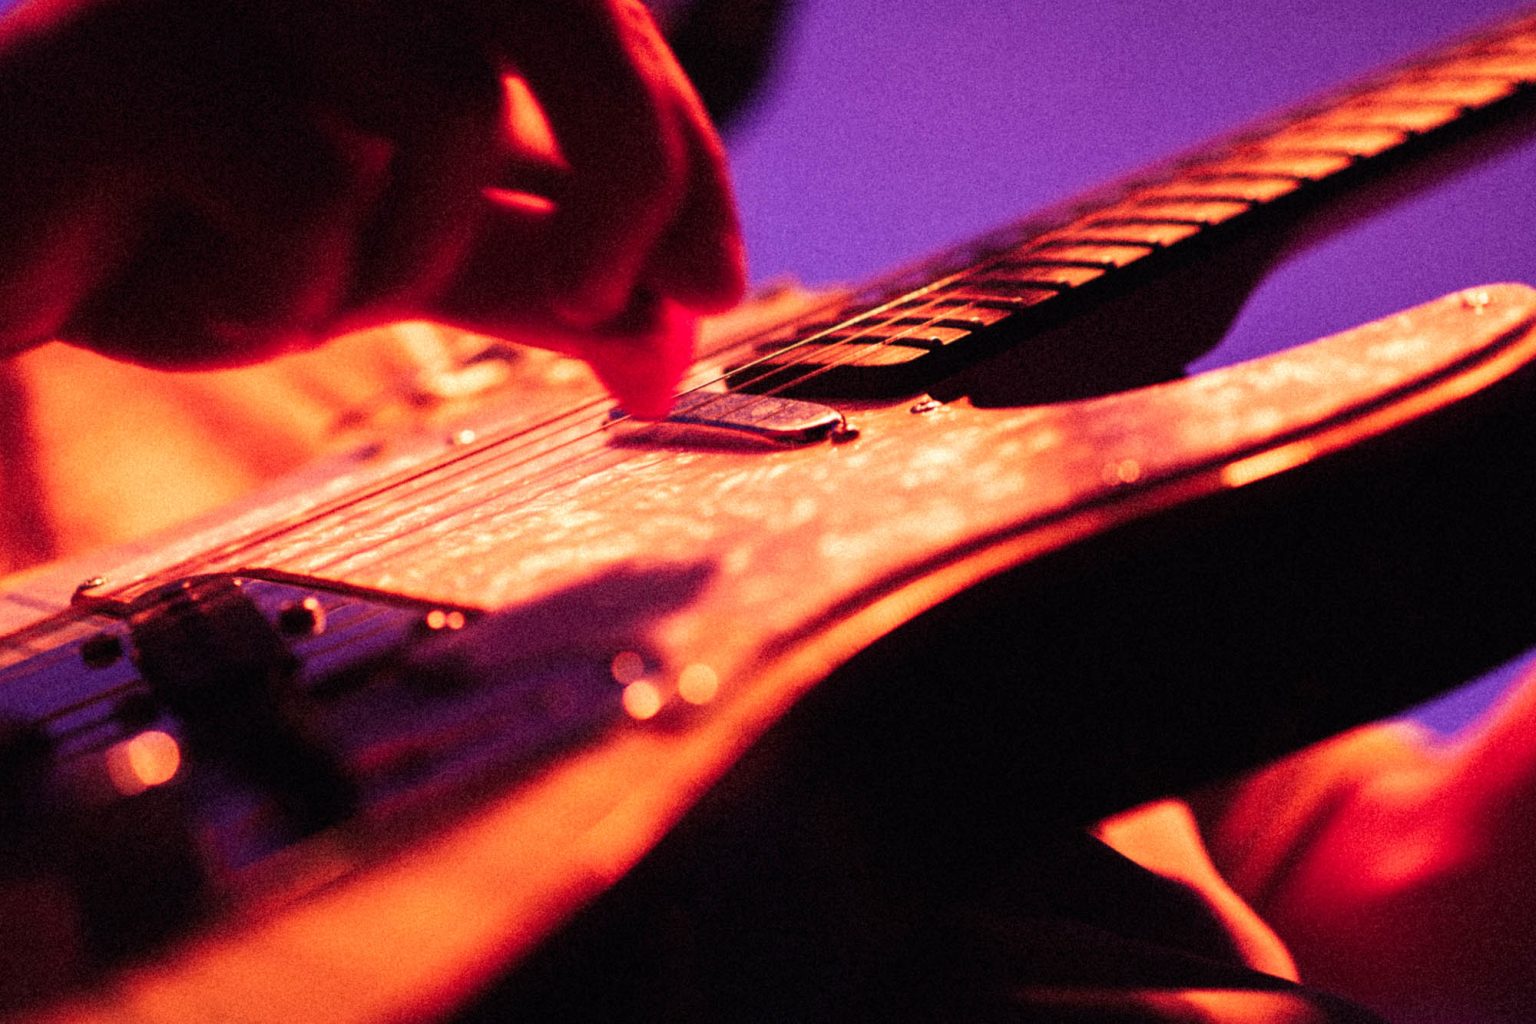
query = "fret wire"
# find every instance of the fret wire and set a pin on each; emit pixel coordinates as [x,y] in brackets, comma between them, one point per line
[1305,167]
[1409,125]
[391,549]
[1046,265]
[1241,164]
[1386,128]
[1255,191]
[1054,246]
[1031,278]
[461,485]
[477,510]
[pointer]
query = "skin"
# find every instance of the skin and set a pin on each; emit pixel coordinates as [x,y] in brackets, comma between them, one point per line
[1409,886]
[194,183]
[207,184]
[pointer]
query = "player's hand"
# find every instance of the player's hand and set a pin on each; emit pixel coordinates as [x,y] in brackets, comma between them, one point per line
[206,183]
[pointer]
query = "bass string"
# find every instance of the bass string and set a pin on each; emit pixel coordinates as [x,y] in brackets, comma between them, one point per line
[381,552]
[531,435]
[421,488]
[537,485]
[535,436]
[424,484]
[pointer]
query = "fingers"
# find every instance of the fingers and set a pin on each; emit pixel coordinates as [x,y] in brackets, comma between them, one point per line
[416,75]
[641,355]
[699,259]
[312,171]
[611,117]
[643,230]
[644,164]
[259,197]
[322,165]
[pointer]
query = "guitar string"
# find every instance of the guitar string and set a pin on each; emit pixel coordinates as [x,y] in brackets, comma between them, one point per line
[528,489]
[871,316]
[488,452]
[434,476]
[436,471]
[851,343]
[444,471]
[397,547]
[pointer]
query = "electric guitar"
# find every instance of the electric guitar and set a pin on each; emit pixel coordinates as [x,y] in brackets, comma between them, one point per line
[365,744]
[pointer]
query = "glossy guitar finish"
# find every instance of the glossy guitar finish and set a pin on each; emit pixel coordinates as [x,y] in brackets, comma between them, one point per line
[699,580]
[701,558]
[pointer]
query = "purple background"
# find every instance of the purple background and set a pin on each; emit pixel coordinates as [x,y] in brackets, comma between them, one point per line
[892,127]
[896,126]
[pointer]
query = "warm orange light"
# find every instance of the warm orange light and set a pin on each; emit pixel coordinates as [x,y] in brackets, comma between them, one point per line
[439,619]
[1257,467]
[642,701]
[698,684]
[1239,1007]
[148,759]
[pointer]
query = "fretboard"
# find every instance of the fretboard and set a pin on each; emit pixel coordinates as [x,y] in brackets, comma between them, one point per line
[902,334]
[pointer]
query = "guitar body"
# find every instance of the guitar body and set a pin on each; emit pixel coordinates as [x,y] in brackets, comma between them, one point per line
[580,633]
[1180,566]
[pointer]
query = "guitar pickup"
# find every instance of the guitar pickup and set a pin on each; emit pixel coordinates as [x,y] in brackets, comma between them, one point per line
[712,417]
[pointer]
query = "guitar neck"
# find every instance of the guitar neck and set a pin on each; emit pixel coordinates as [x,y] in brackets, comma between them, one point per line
[1262,184]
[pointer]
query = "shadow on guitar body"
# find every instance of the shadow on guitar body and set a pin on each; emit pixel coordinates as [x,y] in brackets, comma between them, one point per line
[907,844]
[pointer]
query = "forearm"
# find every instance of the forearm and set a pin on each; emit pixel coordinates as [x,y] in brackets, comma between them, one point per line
[1399,871]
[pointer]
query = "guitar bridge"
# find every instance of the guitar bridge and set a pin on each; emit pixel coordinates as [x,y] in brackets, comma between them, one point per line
[177,753]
